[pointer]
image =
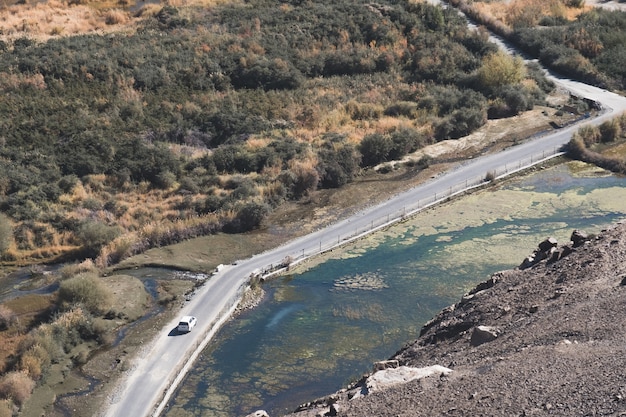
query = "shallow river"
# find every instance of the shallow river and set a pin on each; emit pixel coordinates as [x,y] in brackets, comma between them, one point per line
[323,327]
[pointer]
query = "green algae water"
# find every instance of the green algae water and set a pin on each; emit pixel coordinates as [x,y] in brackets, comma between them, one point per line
[325,325]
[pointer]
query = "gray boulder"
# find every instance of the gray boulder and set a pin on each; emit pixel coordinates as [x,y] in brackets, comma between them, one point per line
[401,375]
[547,245]
[579,238]
[484,334]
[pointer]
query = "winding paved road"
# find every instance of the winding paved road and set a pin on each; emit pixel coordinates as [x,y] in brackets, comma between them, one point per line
[165,360]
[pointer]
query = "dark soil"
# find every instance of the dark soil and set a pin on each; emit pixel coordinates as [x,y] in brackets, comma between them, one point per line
[560,348]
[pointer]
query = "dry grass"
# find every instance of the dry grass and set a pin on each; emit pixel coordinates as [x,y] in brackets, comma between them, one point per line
[43,20]
[116,17]
[53,18]
[511,12]
[69,270]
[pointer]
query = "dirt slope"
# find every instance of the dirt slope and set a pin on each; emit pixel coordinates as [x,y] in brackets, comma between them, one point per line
[553,344]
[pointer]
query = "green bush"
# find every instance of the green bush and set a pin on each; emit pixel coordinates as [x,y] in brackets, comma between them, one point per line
[165,179]
[375,149]
[267,74]
[589,49]
[403,108]
[460,123]
[338,165]
[249,217]
[88,290]
[94,235]
[510,100]
[404,141]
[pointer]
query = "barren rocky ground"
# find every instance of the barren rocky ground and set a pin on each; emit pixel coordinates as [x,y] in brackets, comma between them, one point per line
[546,338]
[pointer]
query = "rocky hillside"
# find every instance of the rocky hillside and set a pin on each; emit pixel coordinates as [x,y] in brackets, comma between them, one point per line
[544,339]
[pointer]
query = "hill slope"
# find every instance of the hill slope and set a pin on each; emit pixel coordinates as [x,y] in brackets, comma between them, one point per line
[551,343]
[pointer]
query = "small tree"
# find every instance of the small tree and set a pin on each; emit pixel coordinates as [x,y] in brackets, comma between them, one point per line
[251,215]
[338,165]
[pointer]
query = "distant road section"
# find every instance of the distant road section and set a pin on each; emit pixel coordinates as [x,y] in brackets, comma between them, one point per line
[163,362]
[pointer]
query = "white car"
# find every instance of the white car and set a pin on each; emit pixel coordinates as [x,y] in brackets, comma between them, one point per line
[186,323]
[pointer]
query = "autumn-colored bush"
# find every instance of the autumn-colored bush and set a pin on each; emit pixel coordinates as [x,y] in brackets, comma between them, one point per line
[35,361]
[115,17]
[501,69]
[525,13]
[16,386]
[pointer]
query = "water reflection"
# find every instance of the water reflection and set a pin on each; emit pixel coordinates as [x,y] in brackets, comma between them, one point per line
[322,328]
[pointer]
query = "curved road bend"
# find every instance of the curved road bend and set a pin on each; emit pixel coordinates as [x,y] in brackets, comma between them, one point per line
[164,360]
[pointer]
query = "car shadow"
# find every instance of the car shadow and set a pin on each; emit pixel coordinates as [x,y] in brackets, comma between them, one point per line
[175,332]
